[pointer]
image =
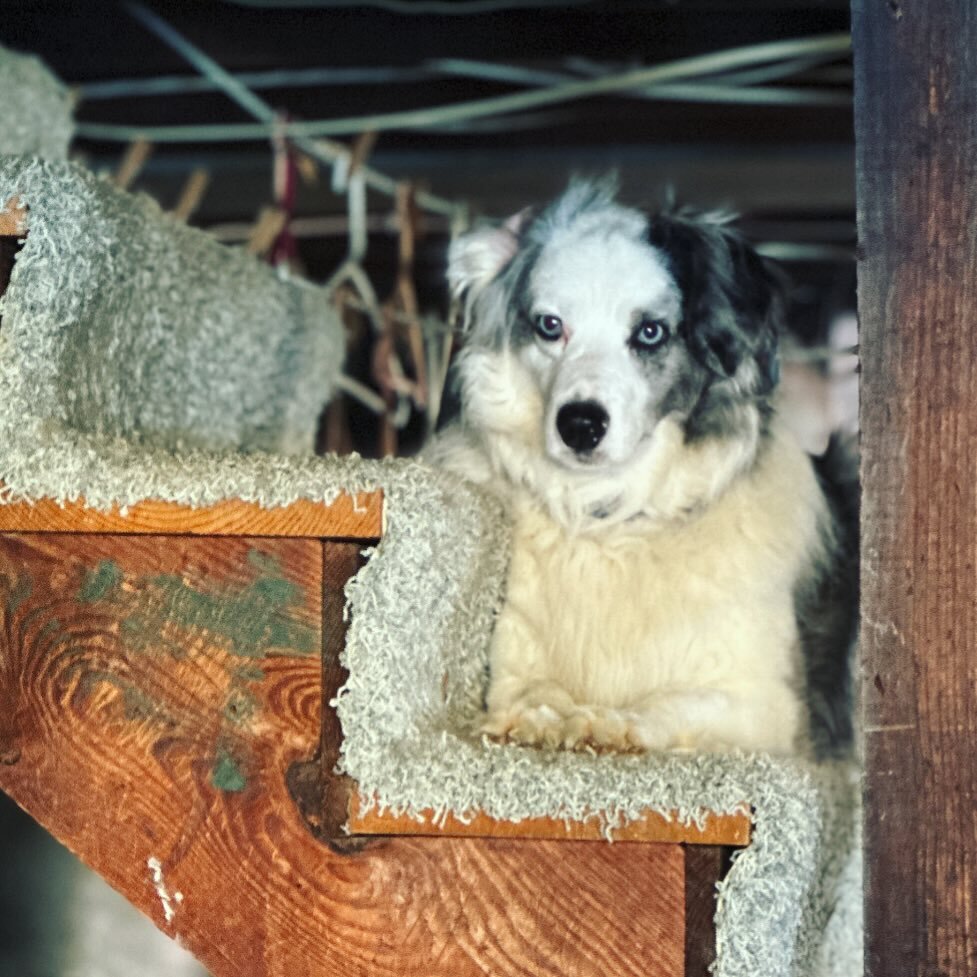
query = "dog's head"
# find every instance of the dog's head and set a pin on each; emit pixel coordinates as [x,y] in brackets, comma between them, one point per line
[612,320]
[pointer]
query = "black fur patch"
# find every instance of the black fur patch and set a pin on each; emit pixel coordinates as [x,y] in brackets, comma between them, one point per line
[731,301]
[826,605]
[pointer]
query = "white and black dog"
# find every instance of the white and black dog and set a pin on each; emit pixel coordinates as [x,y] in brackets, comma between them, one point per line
[674,580]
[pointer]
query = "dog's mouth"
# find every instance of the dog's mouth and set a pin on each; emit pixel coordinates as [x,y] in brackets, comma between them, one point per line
[599,462]
[580,461]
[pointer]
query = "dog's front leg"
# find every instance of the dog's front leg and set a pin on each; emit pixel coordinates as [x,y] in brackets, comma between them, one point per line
[527,704]
[522,703]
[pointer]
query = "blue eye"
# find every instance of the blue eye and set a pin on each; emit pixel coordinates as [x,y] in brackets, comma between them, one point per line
[548,327]
[649,334]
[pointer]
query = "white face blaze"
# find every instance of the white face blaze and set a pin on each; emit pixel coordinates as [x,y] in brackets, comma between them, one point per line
[601,286]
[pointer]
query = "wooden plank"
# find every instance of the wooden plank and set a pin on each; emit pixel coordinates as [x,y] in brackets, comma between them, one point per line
[150,730]
[340,562]
[717,829]
[13,219]
[916,130]
[321,794]
[354,517]
[705,866]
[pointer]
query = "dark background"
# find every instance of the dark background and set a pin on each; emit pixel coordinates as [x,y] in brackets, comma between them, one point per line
[787,170]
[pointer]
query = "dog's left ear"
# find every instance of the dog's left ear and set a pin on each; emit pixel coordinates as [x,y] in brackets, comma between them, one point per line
[475,259]
[732,300]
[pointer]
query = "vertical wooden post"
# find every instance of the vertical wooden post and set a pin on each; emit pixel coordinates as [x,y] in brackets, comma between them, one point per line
[916,134]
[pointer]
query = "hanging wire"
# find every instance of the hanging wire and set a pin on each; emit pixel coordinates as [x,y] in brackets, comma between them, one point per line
[333,154]
[432,69]
[322,150]
[348,171]
[745,76]
[788,251]
[414,7]
[437,115]
[730,88]
[92,91]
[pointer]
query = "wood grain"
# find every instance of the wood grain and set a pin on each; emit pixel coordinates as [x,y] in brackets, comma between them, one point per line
[150,730]
[359,517]
[705,866]
[916,129]
[717,829]
[321,794]
[13,219]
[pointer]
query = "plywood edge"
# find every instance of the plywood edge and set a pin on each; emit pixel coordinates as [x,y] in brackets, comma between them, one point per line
[13,219]
[356,516]
[715,829]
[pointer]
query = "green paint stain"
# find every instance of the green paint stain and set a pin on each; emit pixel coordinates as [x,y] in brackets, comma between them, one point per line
[264,562]
[240,706]
[226,774]
[166,614]
[250,620]
[136,704]
[51,629]
[18,590]
[99,582]
[249,673]
[277,590]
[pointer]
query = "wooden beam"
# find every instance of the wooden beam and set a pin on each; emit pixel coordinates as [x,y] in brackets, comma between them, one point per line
[154,692]
[916,135]
[353,517]
[705,866]
[717,829]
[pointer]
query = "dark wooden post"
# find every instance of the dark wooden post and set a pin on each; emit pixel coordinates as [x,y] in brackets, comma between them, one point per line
[916,134]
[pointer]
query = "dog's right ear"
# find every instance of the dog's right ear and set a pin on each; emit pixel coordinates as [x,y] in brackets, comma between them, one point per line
[475,259]
[732,299]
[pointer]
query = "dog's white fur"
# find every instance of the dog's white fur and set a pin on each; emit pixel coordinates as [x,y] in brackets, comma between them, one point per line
[650,600]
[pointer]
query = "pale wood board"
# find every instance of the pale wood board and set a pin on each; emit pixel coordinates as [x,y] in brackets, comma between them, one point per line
[353,517]
[717,829]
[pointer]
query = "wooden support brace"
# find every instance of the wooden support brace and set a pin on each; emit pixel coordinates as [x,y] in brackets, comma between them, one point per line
[916,153]
[157,696]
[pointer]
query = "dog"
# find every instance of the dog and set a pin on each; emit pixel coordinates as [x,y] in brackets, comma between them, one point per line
[680,579]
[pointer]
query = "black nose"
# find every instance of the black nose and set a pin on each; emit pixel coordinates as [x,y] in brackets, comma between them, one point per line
[582,424]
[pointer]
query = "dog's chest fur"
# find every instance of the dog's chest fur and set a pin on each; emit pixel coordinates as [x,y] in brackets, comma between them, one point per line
[618,616]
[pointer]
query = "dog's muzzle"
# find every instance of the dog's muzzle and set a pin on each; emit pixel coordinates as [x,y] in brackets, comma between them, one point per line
[582,424]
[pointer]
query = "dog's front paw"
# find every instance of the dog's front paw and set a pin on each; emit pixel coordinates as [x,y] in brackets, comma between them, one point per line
[530,725]
[576,728]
